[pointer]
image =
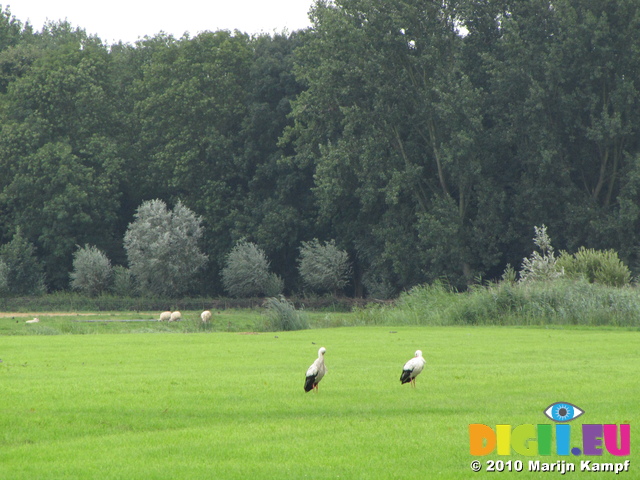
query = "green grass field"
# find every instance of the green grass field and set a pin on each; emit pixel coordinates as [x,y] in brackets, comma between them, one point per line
[228,405]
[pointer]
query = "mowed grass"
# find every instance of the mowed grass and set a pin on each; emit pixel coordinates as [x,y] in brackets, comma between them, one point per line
[230,405]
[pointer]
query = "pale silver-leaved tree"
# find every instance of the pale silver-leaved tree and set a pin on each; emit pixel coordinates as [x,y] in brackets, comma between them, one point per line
[246,272]
[92,273]
[323,267]
[541,265]
[163,247]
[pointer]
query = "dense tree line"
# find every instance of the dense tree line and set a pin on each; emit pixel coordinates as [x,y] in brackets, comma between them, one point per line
[425,138]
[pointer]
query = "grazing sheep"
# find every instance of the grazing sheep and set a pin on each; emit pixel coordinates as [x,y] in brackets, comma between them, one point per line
[205,316]
[165,317]
[35,320]
[175,316]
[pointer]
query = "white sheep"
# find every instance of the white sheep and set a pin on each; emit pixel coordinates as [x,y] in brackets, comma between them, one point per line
[35,320]
[205,316]
[175,316]
[165,317]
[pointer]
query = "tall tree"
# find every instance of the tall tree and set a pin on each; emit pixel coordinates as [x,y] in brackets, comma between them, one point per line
[278,208]
[60,167]
[163,248]
[393,124]
[563,118]
[21,268]
[15,50]
[191,105]
[211,109]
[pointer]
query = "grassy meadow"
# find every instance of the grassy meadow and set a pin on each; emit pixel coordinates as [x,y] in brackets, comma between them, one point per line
[230,404]
[85,323]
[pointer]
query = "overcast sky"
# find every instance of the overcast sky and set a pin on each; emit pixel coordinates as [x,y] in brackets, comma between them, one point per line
[129,20]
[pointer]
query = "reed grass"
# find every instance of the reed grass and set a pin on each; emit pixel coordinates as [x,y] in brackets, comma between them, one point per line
[557,302]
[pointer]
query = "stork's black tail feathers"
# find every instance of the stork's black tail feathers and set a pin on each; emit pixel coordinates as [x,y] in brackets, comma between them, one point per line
[405,377]
[308,383]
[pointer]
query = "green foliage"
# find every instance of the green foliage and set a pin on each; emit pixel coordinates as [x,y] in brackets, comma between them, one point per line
[10,28]
[246,272]
[60,158]
[123,284]
[597,266]
[12,36]
[425,153]
[378,286]
[427,304]
[277,203]
[4,277]
[23,270]
[323,267]
[282,315]
[191,102]
[561,302]
[274,285]
[162,247]
[509,275]
[395,142]
[92,273]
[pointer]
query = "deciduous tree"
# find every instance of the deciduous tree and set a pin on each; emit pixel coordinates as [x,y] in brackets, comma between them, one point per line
[92,272]
[163,247]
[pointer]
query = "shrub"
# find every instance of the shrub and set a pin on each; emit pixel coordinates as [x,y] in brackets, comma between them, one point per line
[378,286]
[597,266]
[323,268]
[123,284]
[24,273]
[4,277]
[162,247]
[543,265]
[561,302]
[246,273]
[282,315]
[92,273]
[509,275]
[274,286]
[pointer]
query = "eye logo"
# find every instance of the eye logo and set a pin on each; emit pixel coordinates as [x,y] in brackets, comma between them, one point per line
[563,412]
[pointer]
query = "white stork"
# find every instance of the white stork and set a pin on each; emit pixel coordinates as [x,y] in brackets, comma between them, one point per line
[412,369]
[315,372]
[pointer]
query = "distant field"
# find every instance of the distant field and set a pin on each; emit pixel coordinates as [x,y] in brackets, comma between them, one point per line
[231,405]
[236,320]
[123,322]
